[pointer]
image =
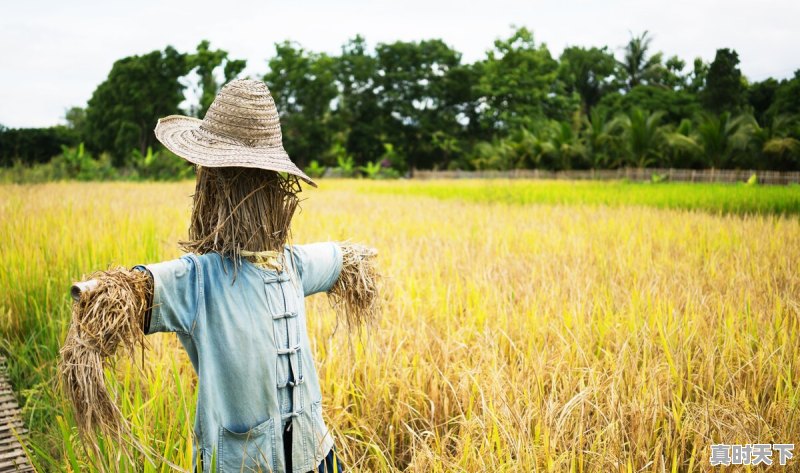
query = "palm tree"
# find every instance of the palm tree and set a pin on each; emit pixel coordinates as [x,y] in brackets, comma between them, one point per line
[772,142]
[565,146]
[638,67]
[603,143]
[723,137]
[643,136]
[682,147]
[527,148]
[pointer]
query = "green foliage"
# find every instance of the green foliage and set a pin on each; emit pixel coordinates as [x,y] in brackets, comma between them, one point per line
[124,109]
[723,138]
[393,159]
[34,145]
[638,66]
[724,88]
[161,165]
[787,97]
[314,169]
[346,166]
[643,137]
[371,170]
[588,73]
[421,90]
[656,178]
[302,84]
[414,105]
[676,105]
[72,164]
[205,63]
[516,81]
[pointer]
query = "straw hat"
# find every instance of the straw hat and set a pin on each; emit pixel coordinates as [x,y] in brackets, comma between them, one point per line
[241,128]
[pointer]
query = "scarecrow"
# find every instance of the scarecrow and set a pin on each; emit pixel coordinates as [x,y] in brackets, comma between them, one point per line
[235,299]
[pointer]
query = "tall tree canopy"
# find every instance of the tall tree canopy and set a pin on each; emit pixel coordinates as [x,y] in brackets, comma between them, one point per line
[416,104]
[302,84]
[638,66]
[125,108]
[205,63]
[517,83]
[589,73]
[724,88]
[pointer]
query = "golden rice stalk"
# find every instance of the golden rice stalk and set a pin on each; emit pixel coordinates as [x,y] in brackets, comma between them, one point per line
[355,296]
[105,319]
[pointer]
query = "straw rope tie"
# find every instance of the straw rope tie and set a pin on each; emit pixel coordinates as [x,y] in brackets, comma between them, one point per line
[264,259]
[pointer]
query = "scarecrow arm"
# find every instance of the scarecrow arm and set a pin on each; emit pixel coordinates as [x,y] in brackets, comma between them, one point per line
[110,312]
[355,294]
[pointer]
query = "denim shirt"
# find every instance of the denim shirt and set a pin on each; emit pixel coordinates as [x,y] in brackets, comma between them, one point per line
[248,343]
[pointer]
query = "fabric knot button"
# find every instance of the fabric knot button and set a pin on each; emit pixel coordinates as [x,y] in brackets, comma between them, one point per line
[296,383]
[288,351]
[291,414]
[285,315]
[271,278]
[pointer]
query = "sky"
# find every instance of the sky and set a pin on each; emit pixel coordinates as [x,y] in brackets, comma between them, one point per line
[55,53]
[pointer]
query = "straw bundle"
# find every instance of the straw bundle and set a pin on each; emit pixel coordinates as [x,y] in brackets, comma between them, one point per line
[355,295]
[104,320]
[239,209]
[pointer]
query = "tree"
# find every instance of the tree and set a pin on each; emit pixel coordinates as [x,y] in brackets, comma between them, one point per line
[302,85]
[205,63]
[672,74]
[787,97]
[413,86]
[697,79]
[760,96]
[637,67]
[76,120]
[723,137]
[518,83]
[724,90]
[643,136]
[676,104]
[565,149]
[589,73]
[601,139]
[774,145]
[124,109]
[357,108]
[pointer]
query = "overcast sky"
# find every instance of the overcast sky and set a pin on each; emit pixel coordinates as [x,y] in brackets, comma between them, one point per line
[56,52]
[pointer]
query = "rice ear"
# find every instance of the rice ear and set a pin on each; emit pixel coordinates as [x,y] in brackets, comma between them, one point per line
[105,320]
[355,296]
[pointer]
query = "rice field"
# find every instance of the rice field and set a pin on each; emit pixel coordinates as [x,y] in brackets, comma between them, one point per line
[527,326]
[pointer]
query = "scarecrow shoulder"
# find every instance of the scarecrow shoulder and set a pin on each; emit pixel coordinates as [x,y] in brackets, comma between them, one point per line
[177,286]
[317,264]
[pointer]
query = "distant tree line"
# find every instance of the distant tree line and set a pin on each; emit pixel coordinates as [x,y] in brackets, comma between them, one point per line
[407,105]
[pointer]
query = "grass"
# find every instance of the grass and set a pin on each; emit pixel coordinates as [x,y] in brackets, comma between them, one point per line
[717,198]
[516,336]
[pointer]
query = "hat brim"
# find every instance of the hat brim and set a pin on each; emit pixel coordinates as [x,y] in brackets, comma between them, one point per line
[184,137]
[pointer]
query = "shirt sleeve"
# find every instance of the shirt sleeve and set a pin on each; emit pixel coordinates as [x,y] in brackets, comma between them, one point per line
[177,292]
[318,265]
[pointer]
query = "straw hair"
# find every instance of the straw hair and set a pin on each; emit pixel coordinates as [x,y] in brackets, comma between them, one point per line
[355,295]
[241,129]
[240,209]
[104,320]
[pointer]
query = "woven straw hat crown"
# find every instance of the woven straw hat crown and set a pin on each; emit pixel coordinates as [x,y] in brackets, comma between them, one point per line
[241,128]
